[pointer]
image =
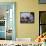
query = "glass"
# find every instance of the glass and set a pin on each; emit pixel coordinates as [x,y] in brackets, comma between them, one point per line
[42,17]
[43,29]
[9,34]
[42,1]
[2,35]
[7,24]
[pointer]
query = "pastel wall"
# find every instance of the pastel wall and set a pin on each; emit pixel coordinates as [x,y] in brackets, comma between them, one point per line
[27,30]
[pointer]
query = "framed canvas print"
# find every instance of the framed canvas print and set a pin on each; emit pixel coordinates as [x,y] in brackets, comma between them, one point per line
[26,17]
[42,1]
[7,20]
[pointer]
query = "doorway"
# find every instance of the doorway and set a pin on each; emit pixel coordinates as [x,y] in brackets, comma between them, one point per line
[7,21]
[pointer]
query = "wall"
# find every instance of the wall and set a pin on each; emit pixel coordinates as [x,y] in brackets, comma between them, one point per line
[27,30]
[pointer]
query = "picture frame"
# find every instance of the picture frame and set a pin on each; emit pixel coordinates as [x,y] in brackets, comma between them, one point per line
[42,1]
[26,17]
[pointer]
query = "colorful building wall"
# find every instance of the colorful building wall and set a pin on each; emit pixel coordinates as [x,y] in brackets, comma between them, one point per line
[27,30]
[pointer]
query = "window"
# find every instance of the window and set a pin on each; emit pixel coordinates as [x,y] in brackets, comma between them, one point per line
[42,1]
[7,21]
[42,22]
